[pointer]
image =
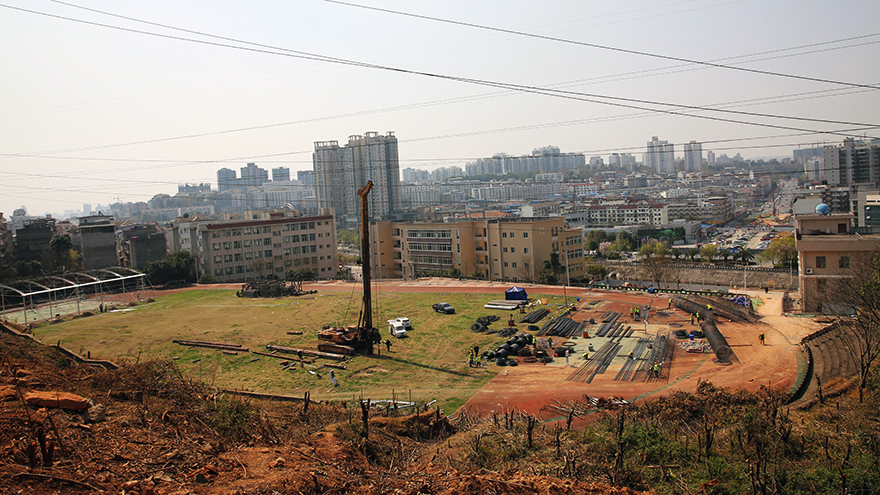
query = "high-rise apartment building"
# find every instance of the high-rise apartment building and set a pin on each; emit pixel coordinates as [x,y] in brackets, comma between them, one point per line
[253,176]
[341,171]
[306,177]
[852,162]
[226,179]
[710,158]
[660,156]
[281,174]
[693,157]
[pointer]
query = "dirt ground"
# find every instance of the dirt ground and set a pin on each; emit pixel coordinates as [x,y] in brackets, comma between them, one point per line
[530,386]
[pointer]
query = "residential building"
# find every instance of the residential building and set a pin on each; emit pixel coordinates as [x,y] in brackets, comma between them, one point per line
[182,188]
[497,248]
[693,157]
[98,237]
[629,213]
[7,247]
[341,171]
[710,158]
[226,179]
[660,156]
[415,175]
[828,248]
[253,176]
[539,210]
[281,174]
[306,177]
[137,245]
[716,209]
[32,239]
[546,159]
[549,177]
[852,162]
[263,244]
[581,189]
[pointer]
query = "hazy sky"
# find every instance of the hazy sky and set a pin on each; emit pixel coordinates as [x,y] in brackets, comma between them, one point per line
[91,113]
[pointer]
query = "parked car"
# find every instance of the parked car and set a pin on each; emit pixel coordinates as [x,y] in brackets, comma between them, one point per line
[405,322]
[443,307]
[396,328]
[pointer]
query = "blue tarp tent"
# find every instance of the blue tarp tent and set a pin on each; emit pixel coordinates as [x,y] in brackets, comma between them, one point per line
[515,294]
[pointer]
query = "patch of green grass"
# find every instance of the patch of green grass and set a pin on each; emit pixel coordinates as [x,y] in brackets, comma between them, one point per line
[431,363]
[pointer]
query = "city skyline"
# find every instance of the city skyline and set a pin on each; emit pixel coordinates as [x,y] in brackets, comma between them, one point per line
[93,114]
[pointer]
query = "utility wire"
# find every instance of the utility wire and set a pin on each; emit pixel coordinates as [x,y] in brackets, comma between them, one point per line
[586,97]
[605,47]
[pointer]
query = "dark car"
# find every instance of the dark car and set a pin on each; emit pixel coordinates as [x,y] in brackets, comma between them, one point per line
[445,308]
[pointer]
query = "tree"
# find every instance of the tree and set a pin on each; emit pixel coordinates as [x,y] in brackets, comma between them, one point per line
[300,275]
[348,236]
[596,272]
[857,290]
[174,266]
[655,262]
[724,254]
[709,252]
[692,253]
[782,251]
[61,256]
[746,255]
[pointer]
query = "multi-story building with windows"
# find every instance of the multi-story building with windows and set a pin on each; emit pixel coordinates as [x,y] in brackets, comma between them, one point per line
[828,248]
[263,244]
[499,249]
[660,156]
[693,157]
[717,209]
[341,171]
[851,163]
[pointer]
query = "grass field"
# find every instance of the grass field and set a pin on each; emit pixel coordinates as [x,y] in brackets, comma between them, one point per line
[430,364]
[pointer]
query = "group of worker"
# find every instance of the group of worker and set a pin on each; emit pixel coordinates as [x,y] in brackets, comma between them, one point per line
[636,312]
[475,358]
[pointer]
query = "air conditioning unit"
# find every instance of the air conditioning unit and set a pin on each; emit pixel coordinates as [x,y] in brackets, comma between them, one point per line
[809,271]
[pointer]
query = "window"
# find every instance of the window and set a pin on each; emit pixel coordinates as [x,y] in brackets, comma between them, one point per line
[215,234]
[267,253]
[227,258]
[227,245]
[820,262]
[267,229]
[236,244]
[248,243]
[843,262]
[505,264]
[504,235]
[525,250]
[513,250]
[267,241]
[525,235]
[821,284]
[512,235]
[237,257]
[513,265]
[218,259]
[311,225]
[311,237]
[504,249]
[216,246]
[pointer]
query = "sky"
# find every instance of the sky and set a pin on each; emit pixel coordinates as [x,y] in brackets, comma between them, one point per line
[107,100]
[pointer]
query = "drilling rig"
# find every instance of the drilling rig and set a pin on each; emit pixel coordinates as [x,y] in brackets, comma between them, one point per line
[364,335]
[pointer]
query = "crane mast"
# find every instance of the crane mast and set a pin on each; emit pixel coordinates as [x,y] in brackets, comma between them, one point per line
[365,325]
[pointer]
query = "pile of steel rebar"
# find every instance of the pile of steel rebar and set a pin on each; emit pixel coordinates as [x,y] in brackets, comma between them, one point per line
[535,316]
[562,327]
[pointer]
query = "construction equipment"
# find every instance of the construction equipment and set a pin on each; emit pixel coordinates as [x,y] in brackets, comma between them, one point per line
[364,335]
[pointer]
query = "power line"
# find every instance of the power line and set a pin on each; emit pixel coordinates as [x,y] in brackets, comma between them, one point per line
[586,97]
[606,47]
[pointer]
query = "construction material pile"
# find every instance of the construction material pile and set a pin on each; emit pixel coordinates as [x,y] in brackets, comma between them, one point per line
[562,327]
[535,316]
[271,288]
